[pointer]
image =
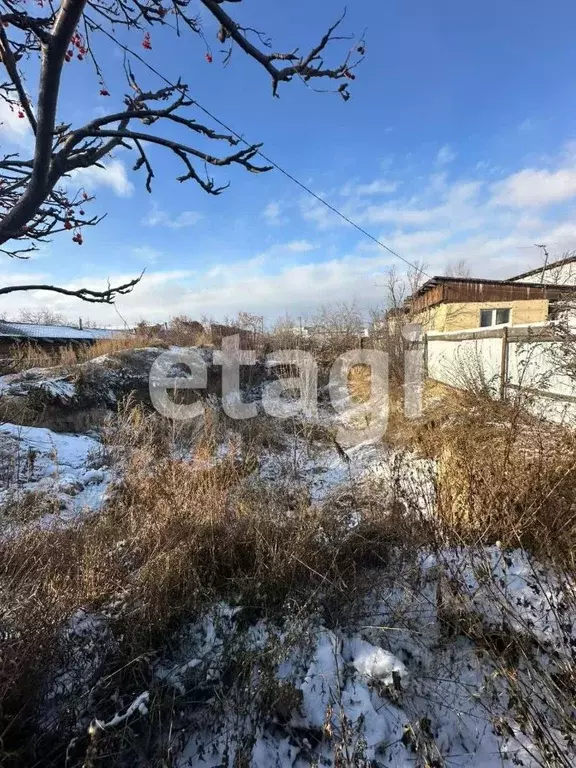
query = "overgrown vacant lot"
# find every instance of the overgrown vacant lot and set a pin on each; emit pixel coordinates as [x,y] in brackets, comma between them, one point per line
[242,593]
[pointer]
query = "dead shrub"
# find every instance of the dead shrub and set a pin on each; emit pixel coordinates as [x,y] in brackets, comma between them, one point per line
[502,475]
[27,355]
[24,507]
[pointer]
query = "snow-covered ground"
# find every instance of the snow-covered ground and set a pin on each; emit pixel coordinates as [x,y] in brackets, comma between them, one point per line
[389,689]
[66,468]
[102,381]
[390,684]
[323,470]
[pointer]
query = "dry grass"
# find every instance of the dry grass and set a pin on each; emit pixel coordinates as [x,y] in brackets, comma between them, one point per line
[178,535]
[184,533]
[502,475]
[22,357]
[28,506]
[115,344]
[505,489]
[359,383]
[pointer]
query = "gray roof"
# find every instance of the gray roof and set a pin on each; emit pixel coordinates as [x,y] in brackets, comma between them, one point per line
[54,332]
[545,267]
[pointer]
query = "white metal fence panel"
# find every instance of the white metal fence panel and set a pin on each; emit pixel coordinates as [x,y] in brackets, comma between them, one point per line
[500,364]
[465,363]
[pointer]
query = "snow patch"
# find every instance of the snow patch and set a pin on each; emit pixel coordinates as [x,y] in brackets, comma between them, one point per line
[35,459]
[376,663]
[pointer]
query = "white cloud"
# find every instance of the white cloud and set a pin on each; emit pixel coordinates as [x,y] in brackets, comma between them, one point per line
[419,243]
[487,169]
[491,224]
[376,187]
[13,129]
[271,286]
[272,213]
[145,254]
[445,220]
[318,214]
[536,188]
[299,246]
[112,175]
[445,155]
[159,218]
[441,202]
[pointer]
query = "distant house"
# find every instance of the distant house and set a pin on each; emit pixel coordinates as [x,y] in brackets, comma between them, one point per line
[219,331]
[49,336]
[458,303]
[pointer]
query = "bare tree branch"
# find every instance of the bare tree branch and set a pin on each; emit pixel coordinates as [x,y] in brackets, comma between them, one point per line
[53,59]
[309,66]
[35,198]
[107,296]
[9,62]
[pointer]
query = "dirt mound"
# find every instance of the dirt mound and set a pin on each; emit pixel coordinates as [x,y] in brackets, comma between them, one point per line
[74,398]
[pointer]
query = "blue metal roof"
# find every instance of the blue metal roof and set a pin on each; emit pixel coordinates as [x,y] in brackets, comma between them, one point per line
[56,332]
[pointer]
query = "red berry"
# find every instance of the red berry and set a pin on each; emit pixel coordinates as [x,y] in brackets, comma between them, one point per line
[209,58]
[20,114]
[67,225]
[81,213]
[84,195]
[104,92]
[80,57]
[146,42]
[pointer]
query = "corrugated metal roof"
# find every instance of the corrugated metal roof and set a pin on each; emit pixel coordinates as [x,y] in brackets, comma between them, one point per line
[57,332]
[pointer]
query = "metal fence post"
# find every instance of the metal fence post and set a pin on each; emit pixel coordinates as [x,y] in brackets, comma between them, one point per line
[504,363]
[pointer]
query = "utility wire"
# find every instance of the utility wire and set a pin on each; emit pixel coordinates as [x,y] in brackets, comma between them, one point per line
[311,192]
[269,160]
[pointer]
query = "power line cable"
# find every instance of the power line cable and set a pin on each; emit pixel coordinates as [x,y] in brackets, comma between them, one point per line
[311,192]
[269,160]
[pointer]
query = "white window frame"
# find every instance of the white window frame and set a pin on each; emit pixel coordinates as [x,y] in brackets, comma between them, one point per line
[493,317]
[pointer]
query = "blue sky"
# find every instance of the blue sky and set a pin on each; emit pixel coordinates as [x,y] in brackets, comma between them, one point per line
[458,143]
